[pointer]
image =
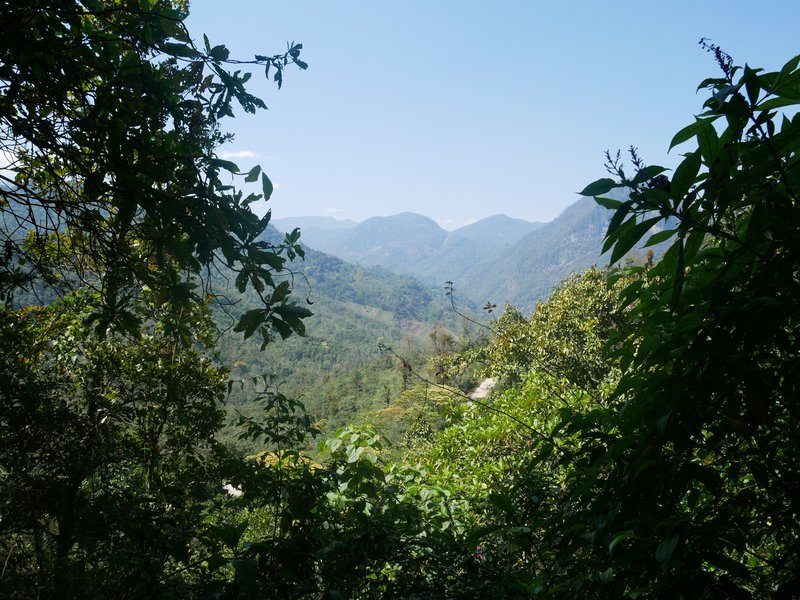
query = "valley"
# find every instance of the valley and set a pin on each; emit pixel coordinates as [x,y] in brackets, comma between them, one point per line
[199,402]
[497,259]
[359,278]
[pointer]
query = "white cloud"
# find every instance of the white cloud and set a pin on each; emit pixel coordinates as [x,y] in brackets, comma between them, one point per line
[228,154]
[333,210]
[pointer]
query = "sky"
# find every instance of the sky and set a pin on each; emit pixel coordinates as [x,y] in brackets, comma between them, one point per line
[462,109]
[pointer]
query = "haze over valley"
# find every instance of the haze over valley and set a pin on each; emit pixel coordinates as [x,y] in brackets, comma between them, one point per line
[599,400]
[497,259]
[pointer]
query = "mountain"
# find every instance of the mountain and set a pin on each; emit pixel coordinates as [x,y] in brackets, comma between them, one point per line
[413,244]
[497,259]
[395,243]
[527,270]
[498,230]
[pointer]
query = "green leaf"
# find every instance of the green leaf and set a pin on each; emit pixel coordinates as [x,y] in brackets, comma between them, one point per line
[711,82]
[773,103]
[620,537]
[685,175]
[294,236]
[790,66]
[599,187]
[609,203]
[219,53]
[282,327]
[659,237]
[630,237]
[182,50]
[227,165]
[691,131]
[292,310]
[647,173]
[250,321]
[266,186]
[788,86]
[281,291]
[615,223]
[271,259]
[694,242]
[752,84]
[354,453]
[253,174]
[665,549]
[708,143]
[297,325]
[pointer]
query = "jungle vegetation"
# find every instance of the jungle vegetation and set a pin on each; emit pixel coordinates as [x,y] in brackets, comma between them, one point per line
[642,441]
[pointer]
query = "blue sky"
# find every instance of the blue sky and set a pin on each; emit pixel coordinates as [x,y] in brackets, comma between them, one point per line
[463,109]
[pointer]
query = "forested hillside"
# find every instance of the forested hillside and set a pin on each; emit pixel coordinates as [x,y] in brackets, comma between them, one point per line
[641,440]
[497,259]
[415,245]
[528,270]
[338,366]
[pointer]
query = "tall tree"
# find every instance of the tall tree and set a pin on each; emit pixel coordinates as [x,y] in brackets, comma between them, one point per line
[113,198]
[110,121]
[688,483]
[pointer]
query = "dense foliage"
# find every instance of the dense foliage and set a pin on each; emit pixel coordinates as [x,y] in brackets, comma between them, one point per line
[679,480]
[109,449]
[697,486]
[110,120]
[642,441]
[112,200]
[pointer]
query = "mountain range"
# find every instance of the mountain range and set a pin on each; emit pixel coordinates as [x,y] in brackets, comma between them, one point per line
[497,259]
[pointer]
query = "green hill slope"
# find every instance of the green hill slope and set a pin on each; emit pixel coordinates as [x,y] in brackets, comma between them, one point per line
[337,366]
[528,270]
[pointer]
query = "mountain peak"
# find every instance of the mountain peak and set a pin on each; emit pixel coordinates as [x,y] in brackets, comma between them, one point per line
[403,218]
[497,230]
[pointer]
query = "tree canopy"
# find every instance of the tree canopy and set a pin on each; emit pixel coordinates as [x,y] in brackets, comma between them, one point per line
[642,443]
[697,486]
[110,122]
[118,214]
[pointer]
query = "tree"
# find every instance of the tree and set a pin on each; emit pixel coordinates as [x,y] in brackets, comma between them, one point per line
[506,453]
[115,211]
[683,480]
[566,335]
[109,449]
[110,120]
[687,484]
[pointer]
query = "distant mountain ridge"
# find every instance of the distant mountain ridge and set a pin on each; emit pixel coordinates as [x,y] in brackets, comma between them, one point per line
[527,270]
[497,259]
[410,243]
[499,230]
